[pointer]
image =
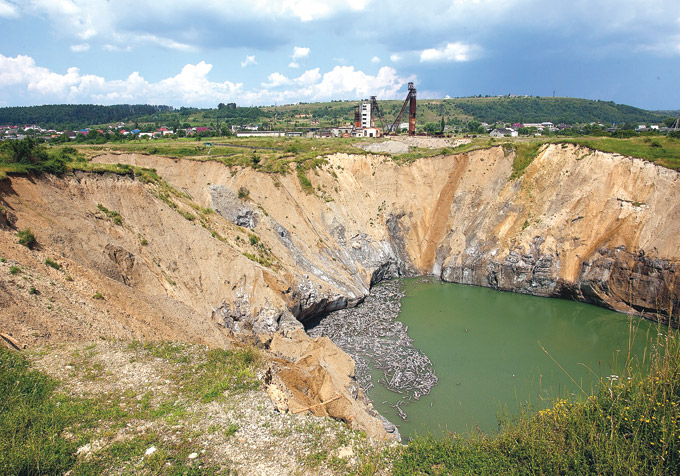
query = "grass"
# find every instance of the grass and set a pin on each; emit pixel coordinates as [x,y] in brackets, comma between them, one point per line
[42,428]
[27,238]
[112,214]
[52,264]
[661,150]
[630,426]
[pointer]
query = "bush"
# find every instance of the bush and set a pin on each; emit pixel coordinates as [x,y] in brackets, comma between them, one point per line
[243,193]
[27,238]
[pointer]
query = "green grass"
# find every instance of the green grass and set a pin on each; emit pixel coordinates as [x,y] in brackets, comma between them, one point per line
[631,426]
[52,264]
[661,150]
[42,428]
[112,214]
[27,238]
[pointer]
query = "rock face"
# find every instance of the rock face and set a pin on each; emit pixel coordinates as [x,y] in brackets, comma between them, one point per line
[580,224]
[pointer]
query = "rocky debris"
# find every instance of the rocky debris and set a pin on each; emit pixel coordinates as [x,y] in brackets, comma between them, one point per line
[387,147]
[124,261]
[243,434]
[230,206]
[373,337]
[7,218]
[313,374]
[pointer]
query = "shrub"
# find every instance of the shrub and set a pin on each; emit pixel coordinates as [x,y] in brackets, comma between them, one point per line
[14,270]
[243,193]
[27,238]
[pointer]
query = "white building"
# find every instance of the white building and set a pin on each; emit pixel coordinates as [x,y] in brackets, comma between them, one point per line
[366,115]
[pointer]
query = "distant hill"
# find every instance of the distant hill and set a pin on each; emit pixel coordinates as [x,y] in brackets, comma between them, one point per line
[305,115]
[491,109]
[556,110]
[75,116]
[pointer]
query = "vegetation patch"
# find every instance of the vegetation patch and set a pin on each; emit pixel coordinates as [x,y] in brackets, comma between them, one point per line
[112,214]
[158,408]
[52,264]
[27,238]
[525,153]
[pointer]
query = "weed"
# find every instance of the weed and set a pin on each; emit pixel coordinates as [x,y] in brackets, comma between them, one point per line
[27,238]
[254,239]
[14,270]
[98,296]
[243,193]
[231,430]
[33,291]
[112,214]
[52,264]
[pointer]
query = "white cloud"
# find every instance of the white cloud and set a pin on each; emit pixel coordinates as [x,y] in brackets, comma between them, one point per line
[275,80]
[395,57]
[451,52]
[293,64]
[345,82]
[309,77]
[309,10]
[7,10]
[190,86]
[375,59]
[80,48]
[247,61]
[300,52]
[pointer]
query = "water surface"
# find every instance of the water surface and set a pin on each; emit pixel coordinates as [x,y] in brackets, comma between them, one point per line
[487,348]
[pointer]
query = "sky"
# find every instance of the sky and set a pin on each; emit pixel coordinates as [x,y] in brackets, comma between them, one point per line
[267,52]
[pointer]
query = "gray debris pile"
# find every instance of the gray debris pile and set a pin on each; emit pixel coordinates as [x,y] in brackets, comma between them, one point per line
[373,337]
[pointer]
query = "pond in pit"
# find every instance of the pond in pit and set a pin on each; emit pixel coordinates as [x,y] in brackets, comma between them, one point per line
[493,352]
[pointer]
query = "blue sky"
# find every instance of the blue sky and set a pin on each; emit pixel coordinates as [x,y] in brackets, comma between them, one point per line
[265,52]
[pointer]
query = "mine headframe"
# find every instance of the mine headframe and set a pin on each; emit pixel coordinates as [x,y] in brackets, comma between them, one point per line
[411,103]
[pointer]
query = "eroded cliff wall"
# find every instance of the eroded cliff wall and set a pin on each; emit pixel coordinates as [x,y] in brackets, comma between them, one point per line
[579,224]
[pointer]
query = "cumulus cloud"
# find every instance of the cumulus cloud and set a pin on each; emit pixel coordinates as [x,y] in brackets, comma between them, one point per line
[247,61]
[375,59]
[395,57]
[450,52]
[309,10]
[300,52]
[275,80]
[191,86]
[309,77]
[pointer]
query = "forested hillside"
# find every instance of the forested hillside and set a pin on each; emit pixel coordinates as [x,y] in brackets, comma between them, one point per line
[74,116]
[334,113]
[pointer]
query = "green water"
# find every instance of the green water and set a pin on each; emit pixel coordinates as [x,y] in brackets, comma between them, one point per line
[486,350]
